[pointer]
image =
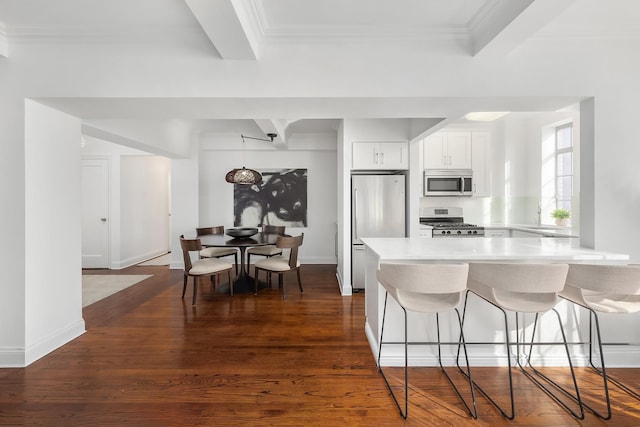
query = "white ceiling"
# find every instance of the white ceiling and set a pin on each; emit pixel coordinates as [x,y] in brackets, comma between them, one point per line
[244,29]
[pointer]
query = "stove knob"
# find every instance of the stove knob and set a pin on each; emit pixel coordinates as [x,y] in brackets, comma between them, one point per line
[459,232]
[448,232]
[475,231]
[469,232]
[443,232]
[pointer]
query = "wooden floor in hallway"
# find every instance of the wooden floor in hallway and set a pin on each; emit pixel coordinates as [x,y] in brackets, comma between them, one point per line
[149,358]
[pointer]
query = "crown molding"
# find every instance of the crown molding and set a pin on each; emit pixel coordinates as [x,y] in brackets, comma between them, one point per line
[365,33]
[84,35]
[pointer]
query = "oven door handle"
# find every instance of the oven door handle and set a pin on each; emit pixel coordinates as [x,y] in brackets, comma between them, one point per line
[462,185]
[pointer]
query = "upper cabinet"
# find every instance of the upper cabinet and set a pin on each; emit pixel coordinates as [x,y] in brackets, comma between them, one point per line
[460,150]
[448,150]
[480,164]
[380,155]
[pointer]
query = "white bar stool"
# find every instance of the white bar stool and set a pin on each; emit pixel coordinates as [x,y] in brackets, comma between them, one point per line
[424,288]
[605,289]
[521,288]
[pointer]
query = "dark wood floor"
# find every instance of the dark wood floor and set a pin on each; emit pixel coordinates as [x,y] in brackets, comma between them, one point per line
[150,359]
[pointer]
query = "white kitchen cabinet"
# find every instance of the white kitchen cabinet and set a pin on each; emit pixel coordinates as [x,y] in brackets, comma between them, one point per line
[447,150]
[497,232]
[480,164]
[380,155]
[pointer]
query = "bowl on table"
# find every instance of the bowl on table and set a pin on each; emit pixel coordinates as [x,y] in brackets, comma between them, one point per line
[242,233]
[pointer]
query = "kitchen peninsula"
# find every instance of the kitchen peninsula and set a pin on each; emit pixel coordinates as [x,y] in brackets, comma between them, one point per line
[482,322]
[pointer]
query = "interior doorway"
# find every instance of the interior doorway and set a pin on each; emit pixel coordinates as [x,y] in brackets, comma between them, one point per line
[95,213]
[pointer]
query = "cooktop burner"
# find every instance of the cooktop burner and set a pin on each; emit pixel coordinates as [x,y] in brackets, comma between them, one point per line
[446,224]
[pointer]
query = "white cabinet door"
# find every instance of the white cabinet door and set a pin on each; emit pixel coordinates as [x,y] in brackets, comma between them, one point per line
[365,155]
[380,155]
[447,150]
[480,164]
[393,155]
[459,150]
[434,151]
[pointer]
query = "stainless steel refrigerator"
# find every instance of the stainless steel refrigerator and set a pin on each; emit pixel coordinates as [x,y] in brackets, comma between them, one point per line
[377,210]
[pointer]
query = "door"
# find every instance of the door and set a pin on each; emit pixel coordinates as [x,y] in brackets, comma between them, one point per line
[378,204]
[95,213]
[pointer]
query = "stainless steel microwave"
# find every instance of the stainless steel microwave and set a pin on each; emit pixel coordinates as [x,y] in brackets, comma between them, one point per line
[448,182]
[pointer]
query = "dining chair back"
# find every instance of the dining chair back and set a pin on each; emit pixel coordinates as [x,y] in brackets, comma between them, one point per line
[266,250]
[217,252]
[209,267]
[281,264]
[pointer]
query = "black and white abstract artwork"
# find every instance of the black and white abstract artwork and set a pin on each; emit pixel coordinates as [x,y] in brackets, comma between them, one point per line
[280,199]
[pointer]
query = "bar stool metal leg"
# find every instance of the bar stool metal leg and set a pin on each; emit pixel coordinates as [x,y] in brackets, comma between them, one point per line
[471,409]
[509,416]
[406,362]
[575,397]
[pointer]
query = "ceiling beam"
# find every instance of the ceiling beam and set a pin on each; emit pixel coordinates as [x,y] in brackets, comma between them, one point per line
[505,26]
[4,44]
[276,126]
[223,23]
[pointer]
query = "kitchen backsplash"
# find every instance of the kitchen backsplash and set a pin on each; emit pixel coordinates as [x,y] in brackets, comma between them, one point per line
[499,210]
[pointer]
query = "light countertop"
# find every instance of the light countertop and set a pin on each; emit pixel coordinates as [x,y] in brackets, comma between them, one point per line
[488,249]
[546,230]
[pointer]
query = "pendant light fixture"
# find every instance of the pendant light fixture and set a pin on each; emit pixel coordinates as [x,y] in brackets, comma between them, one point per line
[246,176]
[243,176]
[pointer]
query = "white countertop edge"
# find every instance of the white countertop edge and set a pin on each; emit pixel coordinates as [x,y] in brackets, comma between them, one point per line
[488,249]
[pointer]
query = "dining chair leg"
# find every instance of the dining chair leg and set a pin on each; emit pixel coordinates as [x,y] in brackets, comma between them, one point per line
[299,281]
[281,284]
[195,290]
[230,283]
[256,280]
[184,285]
[235,258]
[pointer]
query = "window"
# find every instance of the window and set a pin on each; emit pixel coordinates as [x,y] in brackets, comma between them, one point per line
[564,166]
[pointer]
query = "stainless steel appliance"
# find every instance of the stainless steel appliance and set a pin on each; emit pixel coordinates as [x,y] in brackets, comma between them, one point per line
[448,182]
[448,222]
[377,210]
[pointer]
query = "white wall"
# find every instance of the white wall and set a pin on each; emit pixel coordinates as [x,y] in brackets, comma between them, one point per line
[144,208]
[53,285]
[139,222]
[216,195]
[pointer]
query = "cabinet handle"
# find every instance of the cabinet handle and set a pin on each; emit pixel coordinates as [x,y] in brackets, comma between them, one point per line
[449,160]
[355,214]
[382,158]
[376,159]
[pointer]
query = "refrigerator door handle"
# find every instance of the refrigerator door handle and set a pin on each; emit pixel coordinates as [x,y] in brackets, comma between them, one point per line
[355,214]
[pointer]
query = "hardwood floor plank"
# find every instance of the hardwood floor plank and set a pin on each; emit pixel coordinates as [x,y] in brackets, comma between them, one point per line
[149,358]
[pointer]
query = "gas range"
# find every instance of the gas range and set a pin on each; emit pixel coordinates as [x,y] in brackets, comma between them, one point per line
[448,222]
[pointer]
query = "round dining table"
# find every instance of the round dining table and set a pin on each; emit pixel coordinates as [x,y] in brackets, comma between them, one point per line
[243,283]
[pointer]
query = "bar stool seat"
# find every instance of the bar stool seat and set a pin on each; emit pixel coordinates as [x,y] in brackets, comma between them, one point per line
[521,288]
[604,289]
[429,289]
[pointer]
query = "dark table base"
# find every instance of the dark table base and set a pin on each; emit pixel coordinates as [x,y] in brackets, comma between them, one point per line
[242,284]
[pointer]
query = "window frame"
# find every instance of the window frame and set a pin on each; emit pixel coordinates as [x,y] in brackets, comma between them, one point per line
[565,203]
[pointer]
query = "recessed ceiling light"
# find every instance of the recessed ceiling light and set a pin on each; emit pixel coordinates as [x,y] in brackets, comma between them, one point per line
[485,116]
